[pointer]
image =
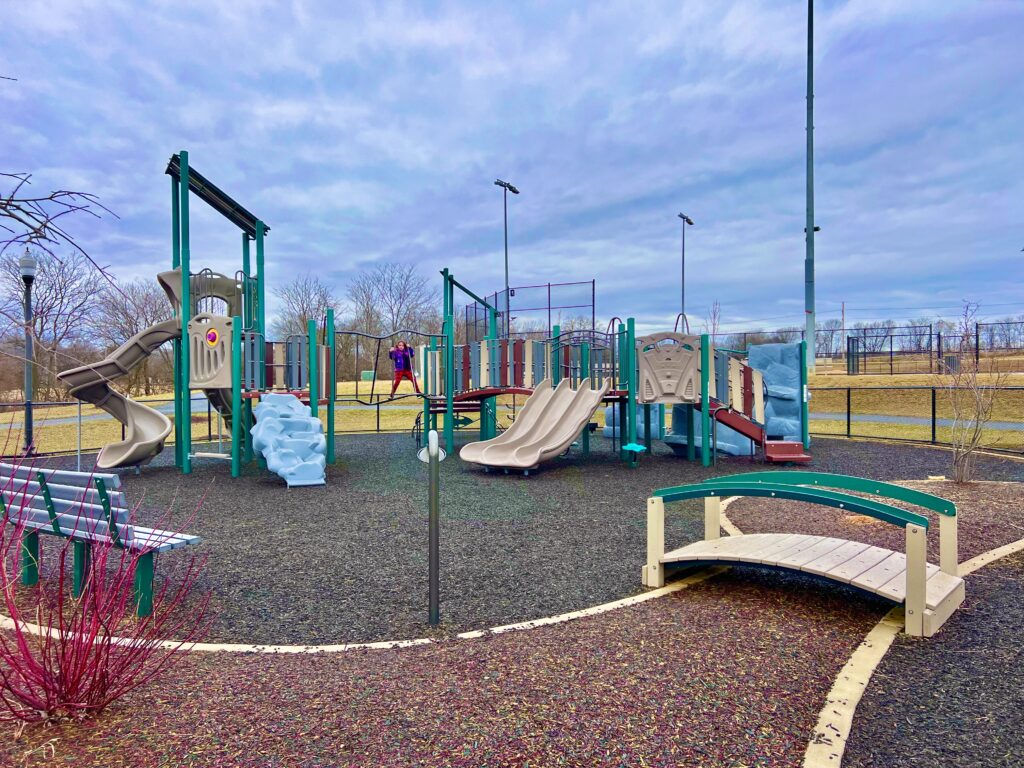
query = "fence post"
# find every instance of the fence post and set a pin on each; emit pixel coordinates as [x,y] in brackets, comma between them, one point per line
[933,415]
[977,345]
[849,390]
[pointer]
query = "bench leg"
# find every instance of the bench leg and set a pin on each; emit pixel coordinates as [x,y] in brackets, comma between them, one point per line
[81,566]
[144,585]
[30,558]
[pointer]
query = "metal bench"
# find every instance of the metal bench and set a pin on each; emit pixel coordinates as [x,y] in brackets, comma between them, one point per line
[88,509]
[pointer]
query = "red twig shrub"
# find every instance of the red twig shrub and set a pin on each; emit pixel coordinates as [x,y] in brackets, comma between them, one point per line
[65,658]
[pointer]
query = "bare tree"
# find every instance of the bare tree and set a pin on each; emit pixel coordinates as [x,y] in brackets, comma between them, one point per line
[27,219]
[125,312]
[305,298]
[714,319]
[63,302]
[971,400]
[828,337]
[390,297]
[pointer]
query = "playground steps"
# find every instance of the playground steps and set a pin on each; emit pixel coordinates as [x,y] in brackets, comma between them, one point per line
[872,569]
[782,451]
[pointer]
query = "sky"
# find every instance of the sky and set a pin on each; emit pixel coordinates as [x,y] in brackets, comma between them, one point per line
[367,133]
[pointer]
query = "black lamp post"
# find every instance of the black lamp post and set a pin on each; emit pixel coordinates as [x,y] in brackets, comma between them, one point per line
[507,187]
[687,221]
[28,266]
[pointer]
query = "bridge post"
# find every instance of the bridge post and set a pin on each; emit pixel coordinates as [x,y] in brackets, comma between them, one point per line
[712,518]
[917,547]
[949,556]
[653,574]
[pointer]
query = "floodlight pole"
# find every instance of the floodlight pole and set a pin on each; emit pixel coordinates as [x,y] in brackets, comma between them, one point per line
[809,230]
[506,187]
[687,221]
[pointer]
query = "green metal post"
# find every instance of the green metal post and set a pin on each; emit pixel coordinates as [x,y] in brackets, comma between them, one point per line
[82,562]
[30,558]
[236,396]
[175,263]
[261,296]
[705,404]
[247,307]
[630,361]
[429,422]
[691,449]
[805,416]
[585,374]
[489,405]
[648,437]
[332,384]
[144,585]
[448,362]
[809,313]
[312,372]
[184,383]
[556,355]
[248,323]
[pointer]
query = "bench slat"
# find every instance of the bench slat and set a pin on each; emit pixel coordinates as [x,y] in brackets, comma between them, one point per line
[60,476]
[17,501]
[70,525]
[58,491]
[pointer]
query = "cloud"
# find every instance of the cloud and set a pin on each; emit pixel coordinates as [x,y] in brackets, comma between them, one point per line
[375,132]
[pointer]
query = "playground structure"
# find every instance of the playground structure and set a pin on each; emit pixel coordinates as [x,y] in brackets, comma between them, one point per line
[757,397]
[930,593]
[225,354]
[755,400]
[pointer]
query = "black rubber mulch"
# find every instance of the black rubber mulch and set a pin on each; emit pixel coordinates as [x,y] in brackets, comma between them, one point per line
[348,562]
[957,698]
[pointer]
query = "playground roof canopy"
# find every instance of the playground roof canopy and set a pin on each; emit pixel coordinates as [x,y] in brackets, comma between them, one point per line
[215,197]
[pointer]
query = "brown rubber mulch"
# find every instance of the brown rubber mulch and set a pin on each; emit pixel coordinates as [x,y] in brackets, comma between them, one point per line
[955,699]
[988,516]
[730,672]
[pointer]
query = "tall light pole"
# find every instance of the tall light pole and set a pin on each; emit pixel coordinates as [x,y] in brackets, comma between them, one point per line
[687,222]
[810,229]
[507,187]
[28,266]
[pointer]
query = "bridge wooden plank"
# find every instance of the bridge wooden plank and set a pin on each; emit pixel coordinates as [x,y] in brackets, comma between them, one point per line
[769,544]
[783,543]
[798,546]
[940,586]
[726,548]
[813,552]
[896,587]
[860,564]
[877,576]
[834,559]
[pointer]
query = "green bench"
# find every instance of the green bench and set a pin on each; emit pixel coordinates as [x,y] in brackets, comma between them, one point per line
[87,509]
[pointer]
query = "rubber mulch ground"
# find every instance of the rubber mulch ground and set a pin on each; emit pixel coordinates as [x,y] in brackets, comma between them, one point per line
[347,562]
[956,699]
[730,672]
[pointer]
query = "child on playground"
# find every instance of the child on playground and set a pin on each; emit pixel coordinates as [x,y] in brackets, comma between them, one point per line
[401,354]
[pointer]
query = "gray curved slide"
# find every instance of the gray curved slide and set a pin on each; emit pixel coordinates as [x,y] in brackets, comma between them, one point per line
[550,420]
[145,428]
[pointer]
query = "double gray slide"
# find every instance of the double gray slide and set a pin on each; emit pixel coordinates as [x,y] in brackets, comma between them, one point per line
[550,420]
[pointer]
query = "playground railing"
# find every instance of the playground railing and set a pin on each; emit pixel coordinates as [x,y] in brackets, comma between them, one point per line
[921,414]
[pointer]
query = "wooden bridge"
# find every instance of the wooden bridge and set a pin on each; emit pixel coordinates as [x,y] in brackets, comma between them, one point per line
[931,593]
